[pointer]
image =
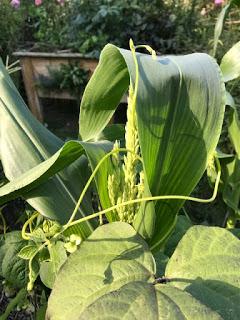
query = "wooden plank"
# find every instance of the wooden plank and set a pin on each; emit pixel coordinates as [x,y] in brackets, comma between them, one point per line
[65,95]
[30,88]
[35,64]
[51,55]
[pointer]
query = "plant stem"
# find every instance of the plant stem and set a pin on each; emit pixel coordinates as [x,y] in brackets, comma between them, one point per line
[25,235]
[90,180]
[166,197]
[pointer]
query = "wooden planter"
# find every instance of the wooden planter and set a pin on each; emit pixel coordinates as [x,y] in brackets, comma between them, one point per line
[34,64]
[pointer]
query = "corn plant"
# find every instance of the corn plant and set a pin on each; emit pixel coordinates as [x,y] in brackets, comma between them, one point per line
[174,118]
[174,109]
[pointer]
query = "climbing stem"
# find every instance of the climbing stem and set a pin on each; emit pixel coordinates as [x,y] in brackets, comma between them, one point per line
[25,235]
[90,180]
[155,198]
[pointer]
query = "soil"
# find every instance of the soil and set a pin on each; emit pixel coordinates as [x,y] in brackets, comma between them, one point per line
[14,315]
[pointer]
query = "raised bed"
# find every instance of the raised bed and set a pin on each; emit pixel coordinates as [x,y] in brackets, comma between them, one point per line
[36,64]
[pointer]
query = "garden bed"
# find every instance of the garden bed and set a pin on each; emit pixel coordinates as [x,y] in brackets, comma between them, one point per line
[35,65]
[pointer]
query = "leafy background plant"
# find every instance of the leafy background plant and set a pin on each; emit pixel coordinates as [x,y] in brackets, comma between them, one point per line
[48,266]
[68,77]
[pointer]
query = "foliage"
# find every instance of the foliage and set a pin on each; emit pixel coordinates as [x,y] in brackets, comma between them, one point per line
[220,22]
[173,125]
[119,281]
[83,26]
[11,24]
[230,162]
[48,24]
[118,68]
[154,138]
[69,77]
[157,24]
[29,144]
[13,268]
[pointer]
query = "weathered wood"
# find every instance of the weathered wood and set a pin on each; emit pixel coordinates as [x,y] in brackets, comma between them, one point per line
[30,88]
[34,64]
[56,55]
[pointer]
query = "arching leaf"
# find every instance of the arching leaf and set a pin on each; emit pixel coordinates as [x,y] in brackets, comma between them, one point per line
[180,107]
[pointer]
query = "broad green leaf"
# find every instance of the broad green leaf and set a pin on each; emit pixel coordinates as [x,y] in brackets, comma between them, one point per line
[28,251]
[12,267]
[95,152]
[49,269]
[182,225]
[112,133]
[236,232]
[206,264]
[179,121]
[179,130]
[40,173]
[219,26]
[30,182]
[112,256]
[26,143]
[38,235]
[139,300]
[103,93]
[111,277]
[230,64]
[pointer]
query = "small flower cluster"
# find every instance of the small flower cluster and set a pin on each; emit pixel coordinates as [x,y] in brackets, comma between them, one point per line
[127,182]
[16,3]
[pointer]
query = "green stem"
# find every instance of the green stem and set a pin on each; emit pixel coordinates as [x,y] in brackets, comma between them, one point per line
[90,180]
[13,303]
[166,197]
[31,282]
[3,222]
[26,236]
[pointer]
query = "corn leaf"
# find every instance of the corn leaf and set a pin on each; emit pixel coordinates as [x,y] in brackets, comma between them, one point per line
[180,108]
[24,144]
[95,152]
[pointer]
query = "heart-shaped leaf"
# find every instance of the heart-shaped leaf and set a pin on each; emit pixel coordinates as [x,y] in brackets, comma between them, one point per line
[206,264]
[12,267]
[111,257]
[111,277]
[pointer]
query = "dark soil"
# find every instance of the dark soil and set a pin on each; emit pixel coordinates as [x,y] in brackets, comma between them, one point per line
[14,315]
